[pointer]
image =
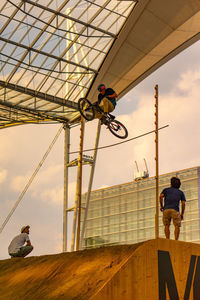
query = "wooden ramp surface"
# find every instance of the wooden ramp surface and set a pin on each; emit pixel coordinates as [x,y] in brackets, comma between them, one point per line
[156,269]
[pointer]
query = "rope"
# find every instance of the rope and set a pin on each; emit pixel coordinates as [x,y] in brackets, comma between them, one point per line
[112,145]
[45,156]
[31,179]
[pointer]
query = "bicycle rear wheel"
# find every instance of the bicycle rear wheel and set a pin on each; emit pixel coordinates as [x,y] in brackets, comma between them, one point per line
[86,109]
[118,129]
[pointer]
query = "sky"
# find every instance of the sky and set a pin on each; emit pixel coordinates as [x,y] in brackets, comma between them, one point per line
[23,147]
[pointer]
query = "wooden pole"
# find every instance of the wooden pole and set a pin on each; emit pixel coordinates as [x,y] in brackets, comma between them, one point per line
[78,189]
[80,184]
[65,205]
[156,159]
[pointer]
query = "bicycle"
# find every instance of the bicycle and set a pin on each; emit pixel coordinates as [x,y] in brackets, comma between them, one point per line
[87,110]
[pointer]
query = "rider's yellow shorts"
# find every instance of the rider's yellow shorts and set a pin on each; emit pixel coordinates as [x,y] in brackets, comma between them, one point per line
[106,105]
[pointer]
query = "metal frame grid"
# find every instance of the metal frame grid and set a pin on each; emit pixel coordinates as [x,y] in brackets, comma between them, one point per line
[50,52]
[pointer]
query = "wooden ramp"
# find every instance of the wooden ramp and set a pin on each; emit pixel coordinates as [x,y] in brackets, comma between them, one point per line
[156,269]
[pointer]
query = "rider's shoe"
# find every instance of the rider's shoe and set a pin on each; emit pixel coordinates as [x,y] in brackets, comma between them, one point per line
[112,117]
[104,120]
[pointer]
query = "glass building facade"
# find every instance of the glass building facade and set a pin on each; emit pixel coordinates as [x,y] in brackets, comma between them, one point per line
[125,214]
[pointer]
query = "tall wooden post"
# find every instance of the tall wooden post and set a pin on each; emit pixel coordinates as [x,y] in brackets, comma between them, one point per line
[75,228]
[65,205]
[156,159]
[80,184]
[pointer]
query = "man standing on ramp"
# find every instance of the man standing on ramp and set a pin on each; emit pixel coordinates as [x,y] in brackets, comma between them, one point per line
[172,197]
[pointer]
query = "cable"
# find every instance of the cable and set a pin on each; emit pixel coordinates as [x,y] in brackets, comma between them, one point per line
[38,72]
[105,8]
[41,68]
[54,34]
[60,29]
[45,156]
[112,145]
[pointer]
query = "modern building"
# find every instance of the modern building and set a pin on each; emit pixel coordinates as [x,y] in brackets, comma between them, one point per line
[125,214]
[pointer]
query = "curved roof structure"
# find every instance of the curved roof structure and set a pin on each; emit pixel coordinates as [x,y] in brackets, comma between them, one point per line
[54,52]
[50,52]
[154,33]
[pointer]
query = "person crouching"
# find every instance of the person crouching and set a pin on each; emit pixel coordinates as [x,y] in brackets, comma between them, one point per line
[17,248]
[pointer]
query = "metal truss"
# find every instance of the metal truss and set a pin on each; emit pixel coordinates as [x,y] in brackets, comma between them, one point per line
[50,53]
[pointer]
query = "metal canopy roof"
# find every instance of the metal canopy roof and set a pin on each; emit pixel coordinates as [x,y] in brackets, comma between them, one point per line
[54,52]
[155,32]
[50,52]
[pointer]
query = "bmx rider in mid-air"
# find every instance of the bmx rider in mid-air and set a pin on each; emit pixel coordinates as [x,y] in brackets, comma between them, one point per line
[106,101]
[101,109]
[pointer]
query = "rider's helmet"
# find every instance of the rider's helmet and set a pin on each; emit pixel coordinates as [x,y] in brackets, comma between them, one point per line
[101,87]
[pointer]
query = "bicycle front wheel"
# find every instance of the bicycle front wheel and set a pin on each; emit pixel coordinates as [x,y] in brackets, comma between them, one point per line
[86,109]
[118,129]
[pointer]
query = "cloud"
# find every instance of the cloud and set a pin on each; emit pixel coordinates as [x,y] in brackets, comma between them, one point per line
[180,109]
[23,147]
[3,175]
[52,196]
[55,195]
[189,81]
[50,174]
[43,177]
[179,144]
[168,75]
[19,182]
[25,150]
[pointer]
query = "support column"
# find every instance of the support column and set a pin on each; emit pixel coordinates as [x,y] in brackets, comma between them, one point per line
[78,185]
[90,183]
[80,168]
[65,205]
[156,159]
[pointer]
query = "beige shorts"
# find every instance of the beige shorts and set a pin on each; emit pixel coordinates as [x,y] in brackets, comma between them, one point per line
[106,105]
[169,214]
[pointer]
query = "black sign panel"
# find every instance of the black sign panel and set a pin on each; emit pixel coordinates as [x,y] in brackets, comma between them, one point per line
[167,279]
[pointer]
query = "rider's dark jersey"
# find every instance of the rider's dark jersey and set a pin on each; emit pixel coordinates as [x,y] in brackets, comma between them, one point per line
[108,92]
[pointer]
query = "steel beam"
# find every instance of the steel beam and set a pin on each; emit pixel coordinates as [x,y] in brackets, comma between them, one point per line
[40,95]
[30,113]
[57,58]
[87,25]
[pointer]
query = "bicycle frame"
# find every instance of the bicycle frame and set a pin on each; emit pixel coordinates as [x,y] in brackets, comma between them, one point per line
[116,128]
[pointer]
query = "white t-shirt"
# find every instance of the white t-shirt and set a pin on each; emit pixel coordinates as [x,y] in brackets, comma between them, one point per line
[18,242]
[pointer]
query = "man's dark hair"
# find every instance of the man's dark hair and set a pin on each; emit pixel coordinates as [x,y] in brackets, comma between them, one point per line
[175,182]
